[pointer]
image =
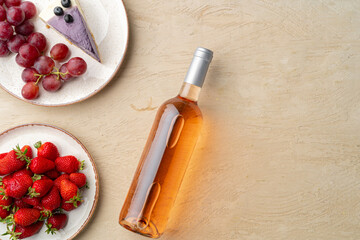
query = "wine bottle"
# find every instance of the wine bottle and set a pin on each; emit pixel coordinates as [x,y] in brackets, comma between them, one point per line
[166,155]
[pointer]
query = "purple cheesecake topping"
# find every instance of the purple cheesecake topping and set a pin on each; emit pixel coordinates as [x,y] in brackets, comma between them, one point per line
[76,31]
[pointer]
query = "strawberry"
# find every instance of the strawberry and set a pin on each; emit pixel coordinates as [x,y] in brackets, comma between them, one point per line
[26,216]
[55,223]
[5,205]
[25,232]
[14,160]
[33,201]
[70,192]
[18,186]
[69,206]
[59,179]
[2,155]
[52,200]
[21,204]
[47,150]
[41,165]
[68,164]
[40,188]
[52,174]
[79,179]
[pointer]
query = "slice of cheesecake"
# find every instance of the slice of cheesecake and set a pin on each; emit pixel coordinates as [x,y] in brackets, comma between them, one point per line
[67,18]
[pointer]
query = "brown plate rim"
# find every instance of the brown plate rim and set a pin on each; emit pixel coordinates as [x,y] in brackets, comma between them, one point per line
[94,92]
[96,199]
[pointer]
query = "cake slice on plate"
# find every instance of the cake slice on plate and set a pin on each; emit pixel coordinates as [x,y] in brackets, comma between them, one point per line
[67,18]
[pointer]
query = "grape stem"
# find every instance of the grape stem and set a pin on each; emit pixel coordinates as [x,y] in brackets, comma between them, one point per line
[58,73]
[39,77]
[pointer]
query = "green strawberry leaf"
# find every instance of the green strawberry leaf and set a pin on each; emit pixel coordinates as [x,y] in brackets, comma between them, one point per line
[75,199]
[32,192]
[50,229]
[37,177]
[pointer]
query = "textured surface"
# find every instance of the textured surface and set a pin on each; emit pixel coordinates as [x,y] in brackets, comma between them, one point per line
[279,152]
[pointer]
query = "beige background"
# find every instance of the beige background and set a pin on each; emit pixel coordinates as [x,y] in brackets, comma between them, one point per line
[279,152]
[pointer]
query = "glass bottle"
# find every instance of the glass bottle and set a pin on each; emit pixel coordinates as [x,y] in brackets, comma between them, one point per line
[166,155]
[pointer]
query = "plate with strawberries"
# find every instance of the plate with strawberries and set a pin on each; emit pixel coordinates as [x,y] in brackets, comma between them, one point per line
[49,184]
[59,52]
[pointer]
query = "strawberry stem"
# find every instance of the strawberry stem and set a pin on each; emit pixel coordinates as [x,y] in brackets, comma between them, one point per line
[37,144]
[82,164]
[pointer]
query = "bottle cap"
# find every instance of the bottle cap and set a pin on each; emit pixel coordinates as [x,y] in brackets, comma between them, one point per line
[199,67]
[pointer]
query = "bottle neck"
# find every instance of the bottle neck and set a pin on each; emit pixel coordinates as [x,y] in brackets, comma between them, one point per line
[190,92]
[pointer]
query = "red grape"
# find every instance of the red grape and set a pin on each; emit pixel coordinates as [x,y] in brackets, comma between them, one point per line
[23,62]
[29,9]
[15,16]
[38,40]
[51,83]
[6,31]
[16,42]
[66,76]
[26,28]
[28,75]
[2,13]
[29,52]
[11,3]
[4,51]
[1,2]
[59,52]
[44,65]
[30,91]
[76,66]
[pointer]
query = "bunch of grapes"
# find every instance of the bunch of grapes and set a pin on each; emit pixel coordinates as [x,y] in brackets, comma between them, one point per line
[44,70]
[17,36]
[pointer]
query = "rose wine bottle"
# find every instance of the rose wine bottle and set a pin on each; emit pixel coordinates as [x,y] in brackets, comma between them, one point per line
[166,155]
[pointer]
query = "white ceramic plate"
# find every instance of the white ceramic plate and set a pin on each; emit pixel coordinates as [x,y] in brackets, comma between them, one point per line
[67,145]
[108,21]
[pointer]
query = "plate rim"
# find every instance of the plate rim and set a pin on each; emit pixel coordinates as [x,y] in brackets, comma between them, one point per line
[97,184]
[97,90]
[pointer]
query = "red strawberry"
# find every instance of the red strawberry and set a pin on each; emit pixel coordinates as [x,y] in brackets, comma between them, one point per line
[2,155]
[68,164]
[69,206]
[29,230]
[79,179]
[21,204]
[52,174]
[41,187]
[33,201]
[52,200]
[26,216]
[41,165]
[18,186]
[13,161]
[5,205]
[47,150]
[22,172]
[56,222]
[70,192]
[59,179]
